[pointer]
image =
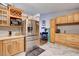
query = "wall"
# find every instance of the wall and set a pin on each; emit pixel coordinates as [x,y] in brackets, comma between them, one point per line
[5,31]
[74,29]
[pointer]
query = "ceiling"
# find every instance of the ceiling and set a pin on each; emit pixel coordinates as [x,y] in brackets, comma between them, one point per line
[42,8]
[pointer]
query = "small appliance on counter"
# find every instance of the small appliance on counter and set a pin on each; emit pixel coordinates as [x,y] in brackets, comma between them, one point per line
[58,31]
[10,33]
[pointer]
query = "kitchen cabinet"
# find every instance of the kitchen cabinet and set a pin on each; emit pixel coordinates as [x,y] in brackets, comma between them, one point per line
[1,48]
[58,20]
[4,21]
[70,18]
[15,12]
[64,20]
[68,40]
[7,48]
[20,44]
[11,46]
[76,17]
[60,38]
[52,30]
[61,20]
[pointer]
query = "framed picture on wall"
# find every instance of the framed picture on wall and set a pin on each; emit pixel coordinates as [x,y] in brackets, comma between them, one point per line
[43,23]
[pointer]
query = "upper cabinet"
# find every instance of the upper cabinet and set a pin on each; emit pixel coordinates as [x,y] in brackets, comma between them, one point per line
[15,16]
[58,20]
[70,18]
[61,20]
[15,12]
[64,19]
[3,15]
[76,17]
[10,15]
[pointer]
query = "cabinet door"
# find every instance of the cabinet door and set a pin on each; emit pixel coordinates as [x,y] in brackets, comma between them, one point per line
[17,45]
[14,46]
[1,48]
[60,38]
[58,20]
[70,18]
[76,17]
[64,19]
[52,30]
[21,44]
[7,48]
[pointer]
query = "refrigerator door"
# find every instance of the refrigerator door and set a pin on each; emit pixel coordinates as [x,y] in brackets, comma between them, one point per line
[30,45]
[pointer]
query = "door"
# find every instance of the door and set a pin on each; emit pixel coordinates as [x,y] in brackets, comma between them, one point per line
[37,28]
[52,30]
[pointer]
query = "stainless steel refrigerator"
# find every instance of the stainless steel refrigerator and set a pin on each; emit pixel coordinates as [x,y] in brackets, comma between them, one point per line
[31,32]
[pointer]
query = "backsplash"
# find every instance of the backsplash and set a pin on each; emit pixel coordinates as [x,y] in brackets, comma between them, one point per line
[71,29]
[5,31]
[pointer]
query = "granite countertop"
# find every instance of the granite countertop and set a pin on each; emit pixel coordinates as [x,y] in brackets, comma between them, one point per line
[11,37]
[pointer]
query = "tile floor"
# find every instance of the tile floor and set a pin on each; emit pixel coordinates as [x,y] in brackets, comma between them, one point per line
[56,50]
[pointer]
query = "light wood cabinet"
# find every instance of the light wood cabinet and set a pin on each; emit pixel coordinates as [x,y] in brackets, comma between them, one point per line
[61,20]
[70,18]
[58,20]
[11,46]
[20,44]
[7,48]
[64,20]
[76,17]
[52,30]
[1,48]
[60,38]
[68,40]
[4,21]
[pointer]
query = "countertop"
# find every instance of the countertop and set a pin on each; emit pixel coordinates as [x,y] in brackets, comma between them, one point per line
[66,34]
[11,37]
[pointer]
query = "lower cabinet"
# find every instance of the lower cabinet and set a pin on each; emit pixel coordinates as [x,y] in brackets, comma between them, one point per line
[68,40]
[0,48]
[7,48]
[12,46]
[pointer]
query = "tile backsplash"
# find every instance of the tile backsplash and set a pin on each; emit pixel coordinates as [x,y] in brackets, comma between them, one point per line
[5,31]
[72,29]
